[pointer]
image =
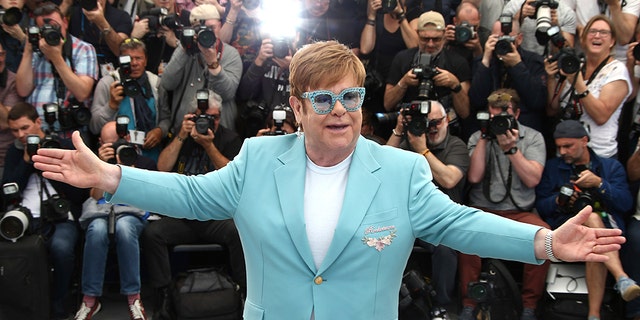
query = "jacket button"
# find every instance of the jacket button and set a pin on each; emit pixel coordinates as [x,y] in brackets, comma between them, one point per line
[318,280]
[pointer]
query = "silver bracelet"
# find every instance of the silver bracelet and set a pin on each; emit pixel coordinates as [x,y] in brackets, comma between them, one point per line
[548,247]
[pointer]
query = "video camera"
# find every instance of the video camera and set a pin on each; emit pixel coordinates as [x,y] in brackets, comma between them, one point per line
[15,220]
[503,45]
[122,148]
[75,116]
[199,34]
[203,121]
[425,72]
[50,33]
[464,32]
[129,85]
[159,17]
[568,60]
[10,17]
[543,18]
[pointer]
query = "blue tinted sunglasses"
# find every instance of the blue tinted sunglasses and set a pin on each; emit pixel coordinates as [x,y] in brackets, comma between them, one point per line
[323,101]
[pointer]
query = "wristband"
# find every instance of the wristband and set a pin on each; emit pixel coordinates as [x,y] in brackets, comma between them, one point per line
[548,247]
[179,138]
[371,22]
[424,153]
[511,151]
[457,88]
[395,133]
[401,85]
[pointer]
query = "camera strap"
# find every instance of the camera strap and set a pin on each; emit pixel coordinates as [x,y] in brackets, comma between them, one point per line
[61,89]
[486,182]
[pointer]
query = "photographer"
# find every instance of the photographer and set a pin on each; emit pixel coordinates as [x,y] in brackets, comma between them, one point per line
[103,26]
[466,36]
[264,85]
[449,161]
[507,160]
[135,93]
[57,227]
[445,76]
[59,71]
[12,35]
[158,29]
[241,28]
[193,153]
[8,98]
[595,94]
[579,177]
[536,16]
[101,221]
[196,67]
[505,64]
[280,121]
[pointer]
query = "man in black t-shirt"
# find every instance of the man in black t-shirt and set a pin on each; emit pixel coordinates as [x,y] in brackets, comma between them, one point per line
[445,75]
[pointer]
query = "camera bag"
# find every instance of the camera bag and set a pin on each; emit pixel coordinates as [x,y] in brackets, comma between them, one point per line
[208,293]
[24,279]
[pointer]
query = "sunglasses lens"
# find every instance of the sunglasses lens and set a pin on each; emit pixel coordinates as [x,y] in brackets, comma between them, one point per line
[323,101]
[351,99]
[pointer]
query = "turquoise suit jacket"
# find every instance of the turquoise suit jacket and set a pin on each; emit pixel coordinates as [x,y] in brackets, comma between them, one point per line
[390,200]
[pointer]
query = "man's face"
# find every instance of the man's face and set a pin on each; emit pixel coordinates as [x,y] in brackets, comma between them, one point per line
[12,3]
[431,41]
[138,61]
[572,150]
[215,25]
[24,126]
[317,8]
[470,15]
[334,132]
[438,124]
[55,20]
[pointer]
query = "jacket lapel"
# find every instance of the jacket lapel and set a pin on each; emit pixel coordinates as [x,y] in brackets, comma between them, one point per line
[361,185]
[290,187]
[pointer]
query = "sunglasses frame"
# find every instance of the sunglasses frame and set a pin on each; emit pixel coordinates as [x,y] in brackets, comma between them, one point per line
[311,95]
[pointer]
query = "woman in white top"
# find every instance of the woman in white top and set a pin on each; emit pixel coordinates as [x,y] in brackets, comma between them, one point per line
[595,94]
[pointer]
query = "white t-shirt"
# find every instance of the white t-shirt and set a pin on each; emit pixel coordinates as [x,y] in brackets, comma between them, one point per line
[603,137]
[323,196]
[31,194]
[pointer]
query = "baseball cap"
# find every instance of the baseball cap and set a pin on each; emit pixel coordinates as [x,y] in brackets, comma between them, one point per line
[204,12]
[431,20]
[570,129]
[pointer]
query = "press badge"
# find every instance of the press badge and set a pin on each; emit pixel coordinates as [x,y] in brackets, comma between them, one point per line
[106,69]
[136,136]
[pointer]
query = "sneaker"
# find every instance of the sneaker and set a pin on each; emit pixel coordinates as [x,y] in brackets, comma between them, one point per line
[136,311]
[466,314]
[85,313]
[528,314]
[628,288]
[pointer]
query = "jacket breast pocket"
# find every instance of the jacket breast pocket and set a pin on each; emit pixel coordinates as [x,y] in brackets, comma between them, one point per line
[382,216]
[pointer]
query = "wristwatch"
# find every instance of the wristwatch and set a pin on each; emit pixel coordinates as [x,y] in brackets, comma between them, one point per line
[457,88]
[582,95]
[511,151]
[213,65]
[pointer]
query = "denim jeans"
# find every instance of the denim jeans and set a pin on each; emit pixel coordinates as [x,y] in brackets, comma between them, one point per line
[127,231]
[61,242]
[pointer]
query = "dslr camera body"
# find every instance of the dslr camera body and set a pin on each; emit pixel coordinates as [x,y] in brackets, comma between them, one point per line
[50,33]
[414,116]
[490,127]
[464,32]
[129,85]
[543,17]
[122,148]
[503,46]
[425,76]
[568,60]
[34,143]
[10,17]
[279,115]
[15,219]
[203,121]
[159,17]
[200,34]
[74,116]
[568,191]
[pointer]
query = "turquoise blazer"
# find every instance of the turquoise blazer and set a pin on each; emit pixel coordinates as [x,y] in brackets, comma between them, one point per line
[390,200]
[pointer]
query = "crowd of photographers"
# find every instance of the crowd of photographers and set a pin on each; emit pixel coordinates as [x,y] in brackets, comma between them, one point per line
[489,91]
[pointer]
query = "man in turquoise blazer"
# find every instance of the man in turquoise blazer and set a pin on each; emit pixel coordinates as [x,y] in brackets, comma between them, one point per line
[351,267]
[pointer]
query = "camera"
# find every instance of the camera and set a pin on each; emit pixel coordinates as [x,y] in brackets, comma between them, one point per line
[583,199]
[55,208]
[188,40]
[388,6]
[483,290]
[122,148]
[89,5]
[130,86]
[543,17]
[159,17]
[279,115]
[205,36]
[280,47]
[15,220]
[34,143]
[11,16]
[75,116]
[568,60]
[416,291]
[464,32]
[498,124]
[425,72]
[503,46]
[51,35]
[414,115]
[203,121]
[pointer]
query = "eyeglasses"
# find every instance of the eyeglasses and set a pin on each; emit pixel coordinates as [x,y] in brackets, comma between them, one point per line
[436,122]
[428,39]
[323,101]
[593,32]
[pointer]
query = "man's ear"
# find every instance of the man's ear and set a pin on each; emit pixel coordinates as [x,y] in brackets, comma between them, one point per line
[296,106]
